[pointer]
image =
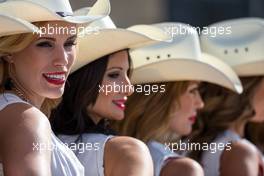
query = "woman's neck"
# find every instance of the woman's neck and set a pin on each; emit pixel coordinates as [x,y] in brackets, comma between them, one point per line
[95,118]
[35,100]
[239,127]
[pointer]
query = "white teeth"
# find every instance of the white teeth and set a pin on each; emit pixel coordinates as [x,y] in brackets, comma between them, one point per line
[56,76]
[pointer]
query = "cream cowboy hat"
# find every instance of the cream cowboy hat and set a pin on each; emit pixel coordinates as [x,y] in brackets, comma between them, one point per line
[14,26]
[51,10]
[241,46]
[108,39]
[180,60]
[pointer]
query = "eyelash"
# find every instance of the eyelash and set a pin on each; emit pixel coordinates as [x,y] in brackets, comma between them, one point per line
[113,75]
[70,44]
[195,90]
[48,44]
[44,44]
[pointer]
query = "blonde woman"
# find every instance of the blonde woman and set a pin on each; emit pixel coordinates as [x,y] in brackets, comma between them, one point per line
[96,95]
[34,68]
[161,116]
[226,114]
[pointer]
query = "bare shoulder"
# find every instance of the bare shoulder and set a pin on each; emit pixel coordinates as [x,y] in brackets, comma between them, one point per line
[125,143]
[120,146]
[182,166]
[24,128]
[130,154]
[244,157]
[21,116]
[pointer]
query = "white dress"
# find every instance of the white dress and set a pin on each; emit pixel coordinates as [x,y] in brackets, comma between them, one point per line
[63,161]
[160,155]
[89,149]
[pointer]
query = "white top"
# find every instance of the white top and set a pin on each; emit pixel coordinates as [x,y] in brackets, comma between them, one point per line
[211,161]
[89,148]
[160,155]
[63,161]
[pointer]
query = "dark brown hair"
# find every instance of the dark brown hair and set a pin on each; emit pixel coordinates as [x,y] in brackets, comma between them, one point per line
[222,108]
[81,90]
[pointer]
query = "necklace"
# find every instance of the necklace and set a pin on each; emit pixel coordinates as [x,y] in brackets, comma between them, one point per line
[20,94]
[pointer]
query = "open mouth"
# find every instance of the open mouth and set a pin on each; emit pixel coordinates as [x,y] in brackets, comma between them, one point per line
[57,78]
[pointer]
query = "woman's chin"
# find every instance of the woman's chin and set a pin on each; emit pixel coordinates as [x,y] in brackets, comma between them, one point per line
[118,116]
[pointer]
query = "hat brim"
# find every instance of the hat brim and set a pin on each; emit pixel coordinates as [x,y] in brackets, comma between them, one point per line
[11,25]
[106,41]
[40,13]
[255,68]
[208,69]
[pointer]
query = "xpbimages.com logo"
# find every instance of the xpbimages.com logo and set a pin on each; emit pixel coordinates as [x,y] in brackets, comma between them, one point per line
[183,29]
[56,29]
[147,89]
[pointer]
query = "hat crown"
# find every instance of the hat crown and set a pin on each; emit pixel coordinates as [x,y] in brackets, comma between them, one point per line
[104,23]
[184,45]
[241,46]
[53,5]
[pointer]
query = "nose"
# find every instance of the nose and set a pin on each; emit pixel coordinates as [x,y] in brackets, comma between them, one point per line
[199,101]
[61,57]
[128,87]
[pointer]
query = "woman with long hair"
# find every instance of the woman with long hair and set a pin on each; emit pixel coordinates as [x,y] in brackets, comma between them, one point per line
[226,115]
[34,67]
[173,72]
[96,93]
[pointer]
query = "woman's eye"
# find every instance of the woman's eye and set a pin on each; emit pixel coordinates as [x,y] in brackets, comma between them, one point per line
[194,91]
[70,44]
[113,75]
[44,44]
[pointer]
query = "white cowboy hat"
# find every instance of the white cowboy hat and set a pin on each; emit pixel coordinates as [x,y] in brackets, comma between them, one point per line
[14,26]
[180,60]
[51,10]
[240,46]
[107,39]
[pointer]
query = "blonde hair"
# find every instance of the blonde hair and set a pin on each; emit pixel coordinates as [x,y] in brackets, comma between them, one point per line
[10,45]
[147,117]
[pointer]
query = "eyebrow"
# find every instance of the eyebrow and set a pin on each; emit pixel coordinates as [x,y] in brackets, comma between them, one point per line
[120,68]
[72,37]
[54,39]
[47,38]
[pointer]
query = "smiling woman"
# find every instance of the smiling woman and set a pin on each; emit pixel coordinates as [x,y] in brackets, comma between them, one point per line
[34,69]
[83,114]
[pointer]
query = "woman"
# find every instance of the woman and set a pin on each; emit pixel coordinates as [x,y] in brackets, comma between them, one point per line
[161,117]
[226,114]
[34,67]
[97,94]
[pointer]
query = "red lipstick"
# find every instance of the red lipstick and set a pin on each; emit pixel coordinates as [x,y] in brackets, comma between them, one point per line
[120,104]
[193,119]
[55,78]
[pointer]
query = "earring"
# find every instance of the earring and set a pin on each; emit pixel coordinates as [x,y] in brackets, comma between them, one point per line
[8,58]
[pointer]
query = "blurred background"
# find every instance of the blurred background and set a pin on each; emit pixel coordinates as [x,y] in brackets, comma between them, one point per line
[194,12]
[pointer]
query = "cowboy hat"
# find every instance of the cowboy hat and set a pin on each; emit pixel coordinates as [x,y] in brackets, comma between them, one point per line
[51,10]
[180,60]
[108,39]
[241,47]
[15,26]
